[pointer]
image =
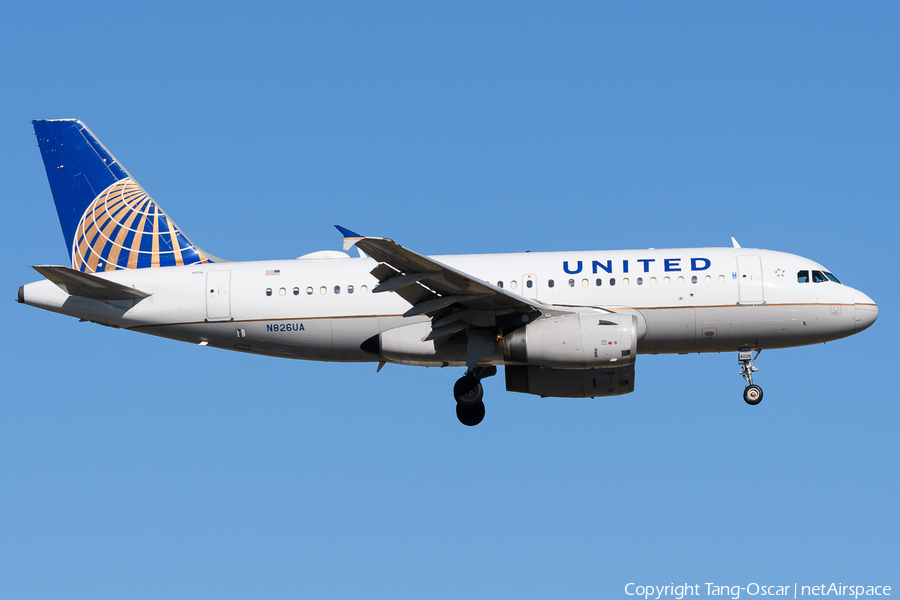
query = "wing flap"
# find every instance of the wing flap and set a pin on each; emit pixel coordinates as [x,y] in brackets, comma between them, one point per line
[416,270]
[401,281]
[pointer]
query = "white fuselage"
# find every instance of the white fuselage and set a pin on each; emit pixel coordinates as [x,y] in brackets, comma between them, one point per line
[686,300]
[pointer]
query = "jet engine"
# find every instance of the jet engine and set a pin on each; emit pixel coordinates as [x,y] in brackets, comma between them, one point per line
[579,341]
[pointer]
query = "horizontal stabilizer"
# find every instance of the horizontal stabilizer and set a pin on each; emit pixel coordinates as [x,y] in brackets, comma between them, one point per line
[76,283]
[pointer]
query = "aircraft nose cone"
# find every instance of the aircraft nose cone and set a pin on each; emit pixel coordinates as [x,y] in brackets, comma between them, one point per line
[866,313]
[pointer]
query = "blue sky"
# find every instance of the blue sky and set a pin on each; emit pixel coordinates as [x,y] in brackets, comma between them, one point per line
[142,468]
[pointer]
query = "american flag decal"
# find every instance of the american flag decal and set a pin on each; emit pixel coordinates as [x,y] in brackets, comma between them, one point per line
[273,272]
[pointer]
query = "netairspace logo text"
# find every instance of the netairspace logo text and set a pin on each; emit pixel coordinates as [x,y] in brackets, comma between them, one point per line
[678,592]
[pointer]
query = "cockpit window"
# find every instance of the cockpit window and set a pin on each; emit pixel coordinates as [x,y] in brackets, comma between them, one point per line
[832,277]
[819,277]
[803,277]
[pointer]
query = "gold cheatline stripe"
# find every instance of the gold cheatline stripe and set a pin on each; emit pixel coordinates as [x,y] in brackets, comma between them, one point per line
[400,315]
[262,320]
[733,306]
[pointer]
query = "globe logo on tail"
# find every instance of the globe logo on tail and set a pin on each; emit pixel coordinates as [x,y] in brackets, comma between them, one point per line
[124,228]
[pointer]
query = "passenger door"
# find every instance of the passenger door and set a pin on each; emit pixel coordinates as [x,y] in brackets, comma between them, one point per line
[750,283]
[218,296]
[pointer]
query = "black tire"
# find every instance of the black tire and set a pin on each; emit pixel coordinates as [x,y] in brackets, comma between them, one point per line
[470,414]
[753,394]
[468,390]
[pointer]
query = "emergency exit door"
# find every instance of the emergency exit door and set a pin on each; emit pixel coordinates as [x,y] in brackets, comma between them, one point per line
[218,295]
[529,286]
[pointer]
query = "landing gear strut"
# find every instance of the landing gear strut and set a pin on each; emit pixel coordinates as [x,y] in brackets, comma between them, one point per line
[753,394]
[469,393]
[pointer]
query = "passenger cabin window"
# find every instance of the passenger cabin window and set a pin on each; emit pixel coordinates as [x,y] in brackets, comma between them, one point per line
[640,281]
[513,284]
[268,291]
[337,289]
[803,277]
[349,289]
[550,283]
[282,292]
[819,277]
[693,279]
[309,291]
[571,283]
[529,284]
[599,282]
[500,284]
[612,281]
[323,290]
[296,291]
[363,289]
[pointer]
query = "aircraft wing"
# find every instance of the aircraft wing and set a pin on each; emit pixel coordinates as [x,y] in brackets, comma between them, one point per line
[430,286]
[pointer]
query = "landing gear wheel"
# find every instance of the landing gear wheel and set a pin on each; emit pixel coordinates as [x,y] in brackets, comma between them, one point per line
[753,394]
[468,390]
[469,393]
[470,414]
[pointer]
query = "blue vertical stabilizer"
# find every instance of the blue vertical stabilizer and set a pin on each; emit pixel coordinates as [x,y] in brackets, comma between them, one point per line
[108,220]
[78,167]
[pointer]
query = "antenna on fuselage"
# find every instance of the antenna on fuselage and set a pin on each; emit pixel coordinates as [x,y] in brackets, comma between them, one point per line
[735,242]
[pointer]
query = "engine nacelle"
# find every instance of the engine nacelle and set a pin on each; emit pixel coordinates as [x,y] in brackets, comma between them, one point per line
[575,341]
[570,383]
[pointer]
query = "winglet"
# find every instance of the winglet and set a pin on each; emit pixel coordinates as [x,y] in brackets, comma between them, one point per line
[350,238]
[735,242]
[347,232]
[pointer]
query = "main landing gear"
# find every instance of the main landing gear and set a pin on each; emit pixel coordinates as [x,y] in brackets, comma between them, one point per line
[469,393]
[753,394]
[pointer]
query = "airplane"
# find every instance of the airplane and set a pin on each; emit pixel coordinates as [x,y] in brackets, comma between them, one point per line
[562,324]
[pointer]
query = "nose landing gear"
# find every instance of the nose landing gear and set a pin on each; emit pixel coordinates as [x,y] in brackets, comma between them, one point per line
[753,394]
[469,393]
